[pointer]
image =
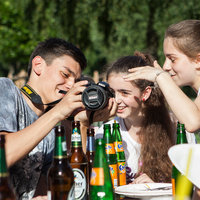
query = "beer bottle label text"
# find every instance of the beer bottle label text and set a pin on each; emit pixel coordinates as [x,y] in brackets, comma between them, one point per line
[80,183]
[118,146]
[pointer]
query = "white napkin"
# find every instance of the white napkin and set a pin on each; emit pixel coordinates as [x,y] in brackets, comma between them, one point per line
[178,154]
[145,189]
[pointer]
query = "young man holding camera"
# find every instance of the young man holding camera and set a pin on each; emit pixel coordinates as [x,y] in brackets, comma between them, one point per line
[54,65]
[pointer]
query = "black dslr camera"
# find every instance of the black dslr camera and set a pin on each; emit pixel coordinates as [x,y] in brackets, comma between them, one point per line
[96,96]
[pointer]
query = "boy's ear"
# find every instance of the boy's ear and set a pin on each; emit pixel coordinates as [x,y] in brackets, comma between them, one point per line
[198,58]
[197,61]
[146,94]
[37,65]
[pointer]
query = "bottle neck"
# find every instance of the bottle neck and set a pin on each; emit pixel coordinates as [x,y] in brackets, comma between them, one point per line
[119,138]
[107,136]
[76,149]
[3,165]
[181,134]
[90,144]
[60,151]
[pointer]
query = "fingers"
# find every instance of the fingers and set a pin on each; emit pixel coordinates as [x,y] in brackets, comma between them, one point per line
[147,73]
[132,75]
[144,178]
[132,69]
[156,65]
[138,73]
[40,198]
[107,112]
[83,117]
[71,101]
[112,106]
[81,83]
[77,88]
[75,92]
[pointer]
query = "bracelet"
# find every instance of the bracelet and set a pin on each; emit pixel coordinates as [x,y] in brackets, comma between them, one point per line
[158,73]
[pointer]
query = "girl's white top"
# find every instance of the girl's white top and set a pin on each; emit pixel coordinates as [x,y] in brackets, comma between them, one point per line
[131,147]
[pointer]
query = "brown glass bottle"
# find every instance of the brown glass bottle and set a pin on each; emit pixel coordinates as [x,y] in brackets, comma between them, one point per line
[6,191]
[90,149]
[60,175]
[79,163]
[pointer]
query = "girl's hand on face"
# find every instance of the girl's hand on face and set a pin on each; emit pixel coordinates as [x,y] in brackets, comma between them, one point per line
[99,115]
[107,112]
[144,178]
[146,72]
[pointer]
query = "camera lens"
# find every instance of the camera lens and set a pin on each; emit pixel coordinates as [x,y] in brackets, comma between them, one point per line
[94,97]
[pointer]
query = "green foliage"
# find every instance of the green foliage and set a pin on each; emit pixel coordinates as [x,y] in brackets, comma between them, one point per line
[103,29]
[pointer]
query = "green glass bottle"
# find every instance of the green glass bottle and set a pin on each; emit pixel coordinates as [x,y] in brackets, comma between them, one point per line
[6,191]
[60,175]
[100,181]
[110,154]
[121,160]
[181,139]
[79,163]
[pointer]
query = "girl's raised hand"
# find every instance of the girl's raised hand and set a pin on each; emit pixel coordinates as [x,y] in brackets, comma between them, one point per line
[146,72]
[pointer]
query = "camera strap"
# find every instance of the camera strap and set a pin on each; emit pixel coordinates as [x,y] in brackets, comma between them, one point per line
[91,117]
[34,97]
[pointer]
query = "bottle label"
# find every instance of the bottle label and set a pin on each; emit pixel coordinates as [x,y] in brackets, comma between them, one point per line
[71,195]
[76,136]
[114,175]
[64,146]
[97,176]
[90,144]
[173,187]
[4,174]
[60,147]
[122,173]
[118,146]
[110,148]
[80,183]
[101,194]
[48,195]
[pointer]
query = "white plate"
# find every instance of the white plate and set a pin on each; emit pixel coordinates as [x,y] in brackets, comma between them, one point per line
[178,154]
[140,190]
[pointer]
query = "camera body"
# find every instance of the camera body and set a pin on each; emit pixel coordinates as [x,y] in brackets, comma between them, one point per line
[96,96]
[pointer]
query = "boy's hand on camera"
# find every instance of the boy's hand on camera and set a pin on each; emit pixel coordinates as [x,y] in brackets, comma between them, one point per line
[71,101]
[83,117]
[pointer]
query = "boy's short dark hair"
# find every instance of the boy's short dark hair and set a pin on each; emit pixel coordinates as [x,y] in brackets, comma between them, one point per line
[55,47]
